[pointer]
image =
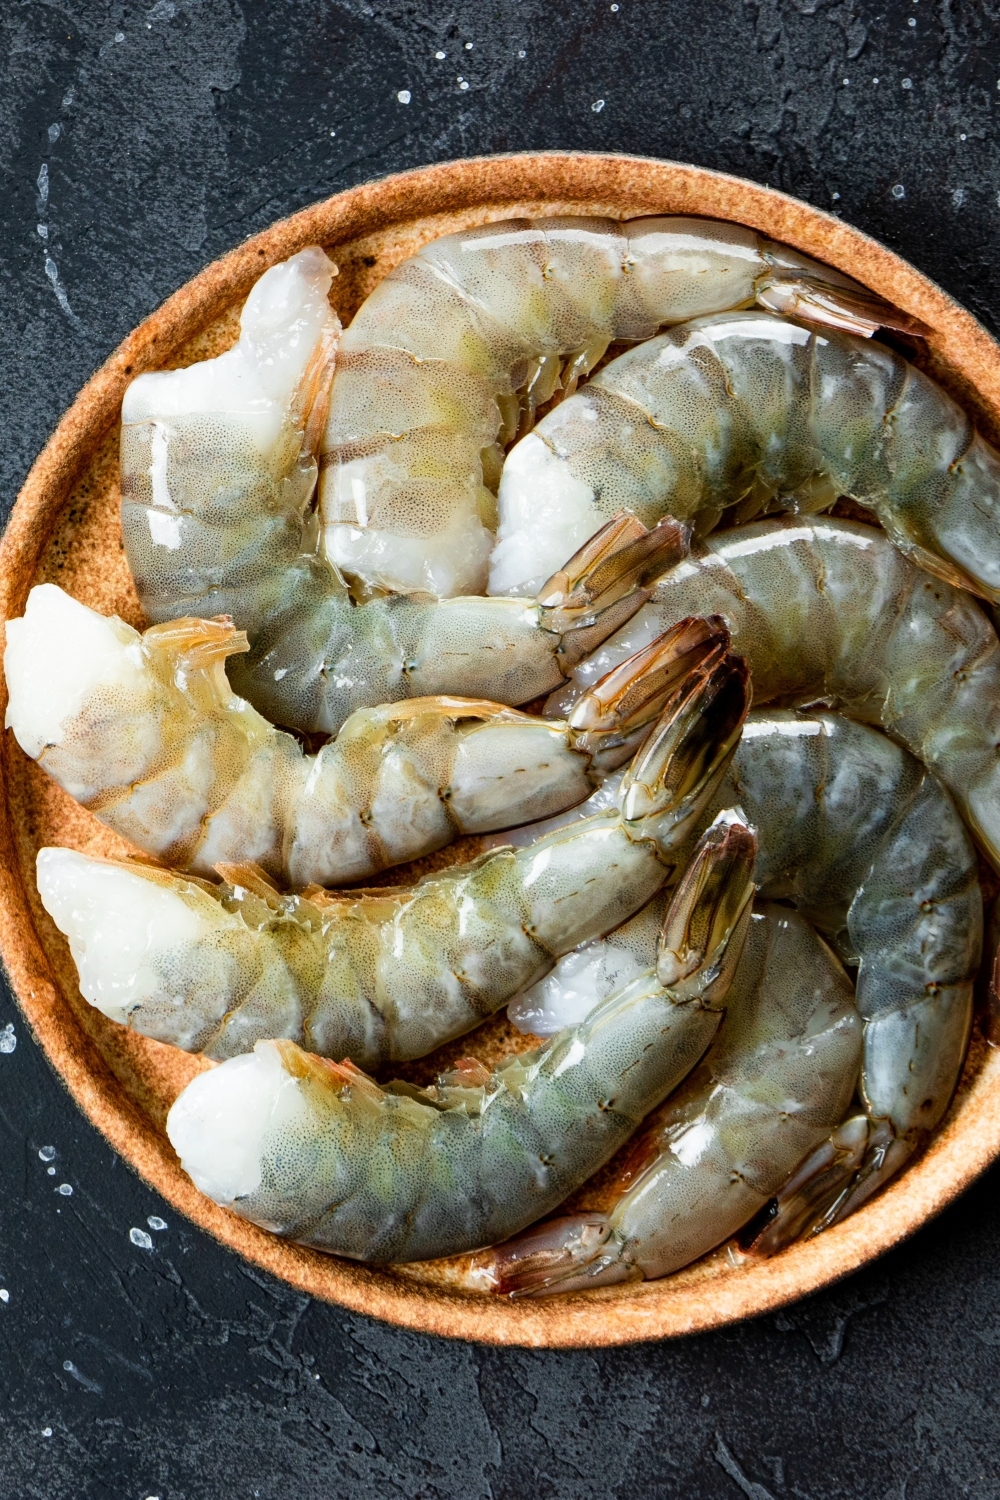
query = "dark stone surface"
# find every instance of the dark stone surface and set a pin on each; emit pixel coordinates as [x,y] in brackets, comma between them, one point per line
[146,141]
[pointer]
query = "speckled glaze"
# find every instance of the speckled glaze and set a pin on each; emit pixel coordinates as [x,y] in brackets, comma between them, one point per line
[65,529]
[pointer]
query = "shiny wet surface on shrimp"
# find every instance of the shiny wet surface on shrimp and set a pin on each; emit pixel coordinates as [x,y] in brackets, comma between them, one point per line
[449,357]
[828,609]
[319,1152]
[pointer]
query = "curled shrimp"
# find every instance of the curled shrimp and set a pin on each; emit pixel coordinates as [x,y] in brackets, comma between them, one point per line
[218,472]
[218,460]
[319,1152]
[747,412]
[870,848]
[828,609]
[391,974]
[780,1073]
[147,731]
[451,354]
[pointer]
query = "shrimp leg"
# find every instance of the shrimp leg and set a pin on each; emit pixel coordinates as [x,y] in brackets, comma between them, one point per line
[391,974]
[318,1152]
[147,731]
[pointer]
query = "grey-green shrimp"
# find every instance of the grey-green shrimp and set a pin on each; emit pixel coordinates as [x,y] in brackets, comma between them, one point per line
[318,1152]
[744,413]
[219,460]
[451,354]
[376,976]
[147,731]
[779,1075]
[826,609]
[869,847]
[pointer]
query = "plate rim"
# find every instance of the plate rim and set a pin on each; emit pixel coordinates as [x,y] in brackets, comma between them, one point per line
[969,1139]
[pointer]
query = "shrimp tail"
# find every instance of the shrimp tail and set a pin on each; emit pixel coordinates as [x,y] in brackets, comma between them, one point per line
[810,1200]
[685,756]
[568,1254]
[613,717]
[822,299]
[607,581]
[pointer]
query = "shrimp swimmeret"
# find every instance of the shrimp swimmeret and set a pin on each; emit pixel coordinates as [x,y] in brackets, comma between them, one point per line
[146,731]
[869,846]
[748,412]
[389,975]
[318,1152]
[829,609]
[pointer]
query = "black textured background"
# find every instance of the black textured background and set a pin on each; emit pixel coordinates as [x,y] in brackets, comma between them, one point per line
[138,143]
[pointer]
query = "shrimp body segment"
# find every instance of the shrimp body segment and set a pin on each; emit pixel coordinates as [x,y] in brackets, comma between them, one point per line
[146,730]
[320,1153]
[824,608]
[388,975]
[452,352]
[776,1080]
[746,412]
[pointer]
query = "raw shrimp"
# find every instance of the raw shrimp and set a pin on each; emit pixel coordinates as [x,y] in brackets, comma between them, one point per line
[779,1075]
[146,731]
[747,412]
[318,1152]
[218,459]
[389,974]
[870,848]
[447,360]
[218,471]
[828,609]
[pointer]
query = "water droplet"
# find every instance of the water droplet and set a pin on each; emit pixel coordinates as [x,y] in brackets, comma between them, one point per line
[846,82]
[140,1238]
[4,1294]
[440,56]
[404,96]
[8,1041]
[50,1171]
[899,191]
[46,1153]
[522,53]
[462,83]
[962,137]
[907,83]
[155,1222]
[614,7]
[597,106]
[469,46]
[64,1190]
[46,1432]
[835,196]
[912,21]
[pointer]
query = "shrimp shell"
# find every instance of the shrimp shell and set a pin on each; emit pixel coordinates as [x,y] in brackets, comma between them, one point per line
[388,974]
[447,360]
[146,731]
[746,412]
[318,1152]
[827,609]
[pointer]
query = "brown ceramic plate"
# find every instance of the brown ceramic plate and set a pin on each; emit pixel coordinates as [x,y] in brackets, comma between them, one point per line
[65,529]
